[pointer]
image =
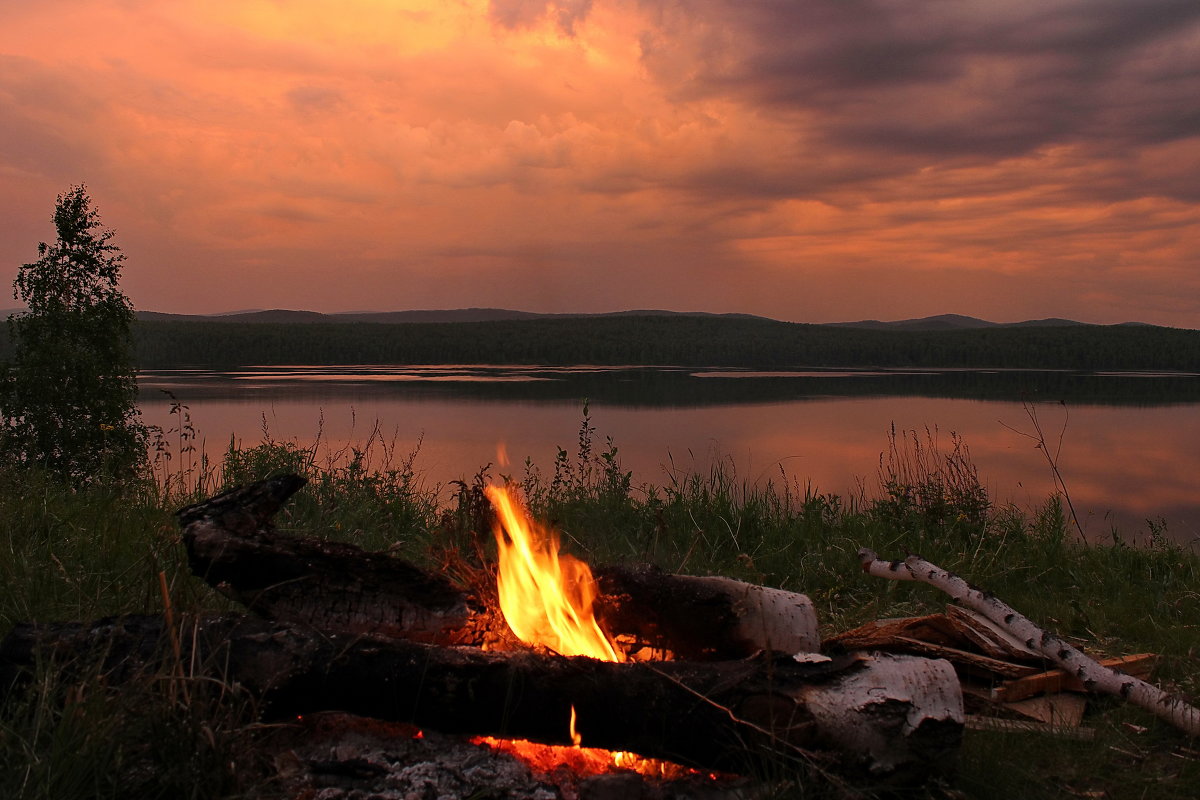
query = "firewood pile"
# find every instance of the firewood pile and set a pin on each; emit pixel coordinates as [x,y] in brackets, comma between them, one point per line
[397,681]
[1005,684]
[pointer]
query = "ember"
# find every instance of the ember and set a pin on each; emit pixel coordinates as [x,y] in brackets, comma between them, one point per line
[585,761]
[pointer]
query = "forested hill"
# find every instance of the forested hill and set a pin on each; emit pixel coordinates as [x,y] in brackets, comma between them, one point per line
[673,340]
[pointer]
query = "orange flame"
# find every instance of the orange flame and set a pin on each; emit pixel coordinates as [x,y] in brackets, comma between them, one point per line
[547,599]
[576,739]
[546,596]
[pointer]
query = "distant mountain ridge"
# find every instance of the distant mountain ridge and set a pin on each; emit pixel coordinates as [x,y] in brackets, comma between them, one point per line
[648,337]
[399,317]
[940,322]
[949,322]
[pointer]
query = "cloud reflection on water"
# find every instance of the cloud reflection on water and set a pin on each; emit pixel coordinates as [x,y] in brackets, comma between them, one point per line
[1123,463]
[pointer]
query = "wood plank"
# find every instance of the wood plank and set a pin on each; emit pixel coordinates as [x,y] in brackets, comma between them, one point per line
[972,663]
[978,723]
[1057,680]
[932,628]
[989,637]
[1063,709]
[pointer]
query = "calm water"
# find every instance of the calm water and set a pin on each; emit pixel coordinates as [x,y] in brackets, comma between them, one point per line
[1130,442]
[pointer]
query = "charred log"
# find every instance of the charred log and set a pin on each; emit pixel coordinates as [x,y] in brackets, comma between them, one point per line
[244,509]
[333,586]
[888,715]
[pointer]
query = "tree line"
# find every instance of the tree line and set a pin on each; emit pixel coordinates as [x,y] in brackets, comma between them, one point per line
[657,340]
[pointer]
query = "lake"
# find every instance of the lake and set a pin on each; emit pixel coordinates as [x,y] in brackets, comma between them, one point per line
[1128,443]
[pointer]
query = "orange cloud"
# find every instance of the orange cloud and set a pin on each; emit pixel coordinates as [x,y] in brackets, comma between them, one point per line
[793,160]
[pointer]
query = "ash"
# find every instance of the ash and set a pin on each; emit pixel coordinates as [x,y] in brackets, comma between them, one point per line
[337,756]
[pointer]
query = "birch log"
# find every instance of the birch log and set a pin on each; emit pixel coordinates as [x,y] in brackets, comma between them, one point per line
[1093,676]
[703,618]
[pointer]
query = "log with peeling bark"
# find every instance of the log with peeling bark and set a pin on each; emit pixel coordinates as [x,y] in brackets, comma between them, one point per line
[334,586]
[1092,676]
[884,715]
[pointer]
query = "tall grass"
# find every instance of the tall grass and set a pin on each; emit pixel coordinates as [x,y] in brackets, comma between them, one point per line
[67,555]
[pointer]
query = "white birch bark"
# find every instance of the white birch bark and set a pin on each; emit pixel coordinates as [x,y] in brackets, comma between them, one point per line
[888,710]
[773,619]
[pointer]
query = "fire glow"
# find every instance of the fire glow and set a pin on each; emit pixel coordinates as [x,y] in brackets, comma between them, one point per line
[547,599]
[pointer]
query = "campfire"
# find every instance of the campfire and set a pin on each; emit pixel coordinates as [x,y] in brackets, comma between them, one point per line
[547,598]
[613,671]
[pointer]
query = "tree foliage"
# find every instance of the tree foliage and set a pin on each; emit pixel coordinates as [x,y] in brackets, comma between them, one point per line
[67,400]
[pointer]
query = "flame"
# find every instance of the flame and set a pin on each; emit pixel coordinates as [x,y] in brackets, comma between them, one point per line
[576,739]
[546,596]
[547,599]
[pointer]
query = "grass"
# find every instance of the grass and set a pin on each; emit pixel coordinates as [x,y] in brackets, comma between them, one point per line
[70,555]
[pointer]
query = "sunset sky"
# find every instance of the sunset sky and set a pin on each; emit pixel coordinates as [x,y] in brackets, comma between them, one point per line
[807,160]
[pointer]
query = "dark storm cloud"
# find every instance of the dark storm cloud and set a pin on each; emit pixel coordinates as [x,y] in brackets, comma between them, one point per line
[985,79]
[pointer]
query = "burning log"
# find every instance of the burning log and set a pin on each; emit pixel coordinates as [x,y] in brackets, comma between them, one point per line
[232,545]
[884,715]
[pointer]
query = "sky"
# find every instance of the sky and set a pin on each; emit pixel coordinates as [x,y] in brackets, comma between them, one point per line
[806,160]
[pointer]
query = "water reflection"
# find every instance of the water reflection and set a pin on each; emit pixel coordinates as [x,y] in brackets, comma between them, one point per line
[674,387]
[1128,447]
